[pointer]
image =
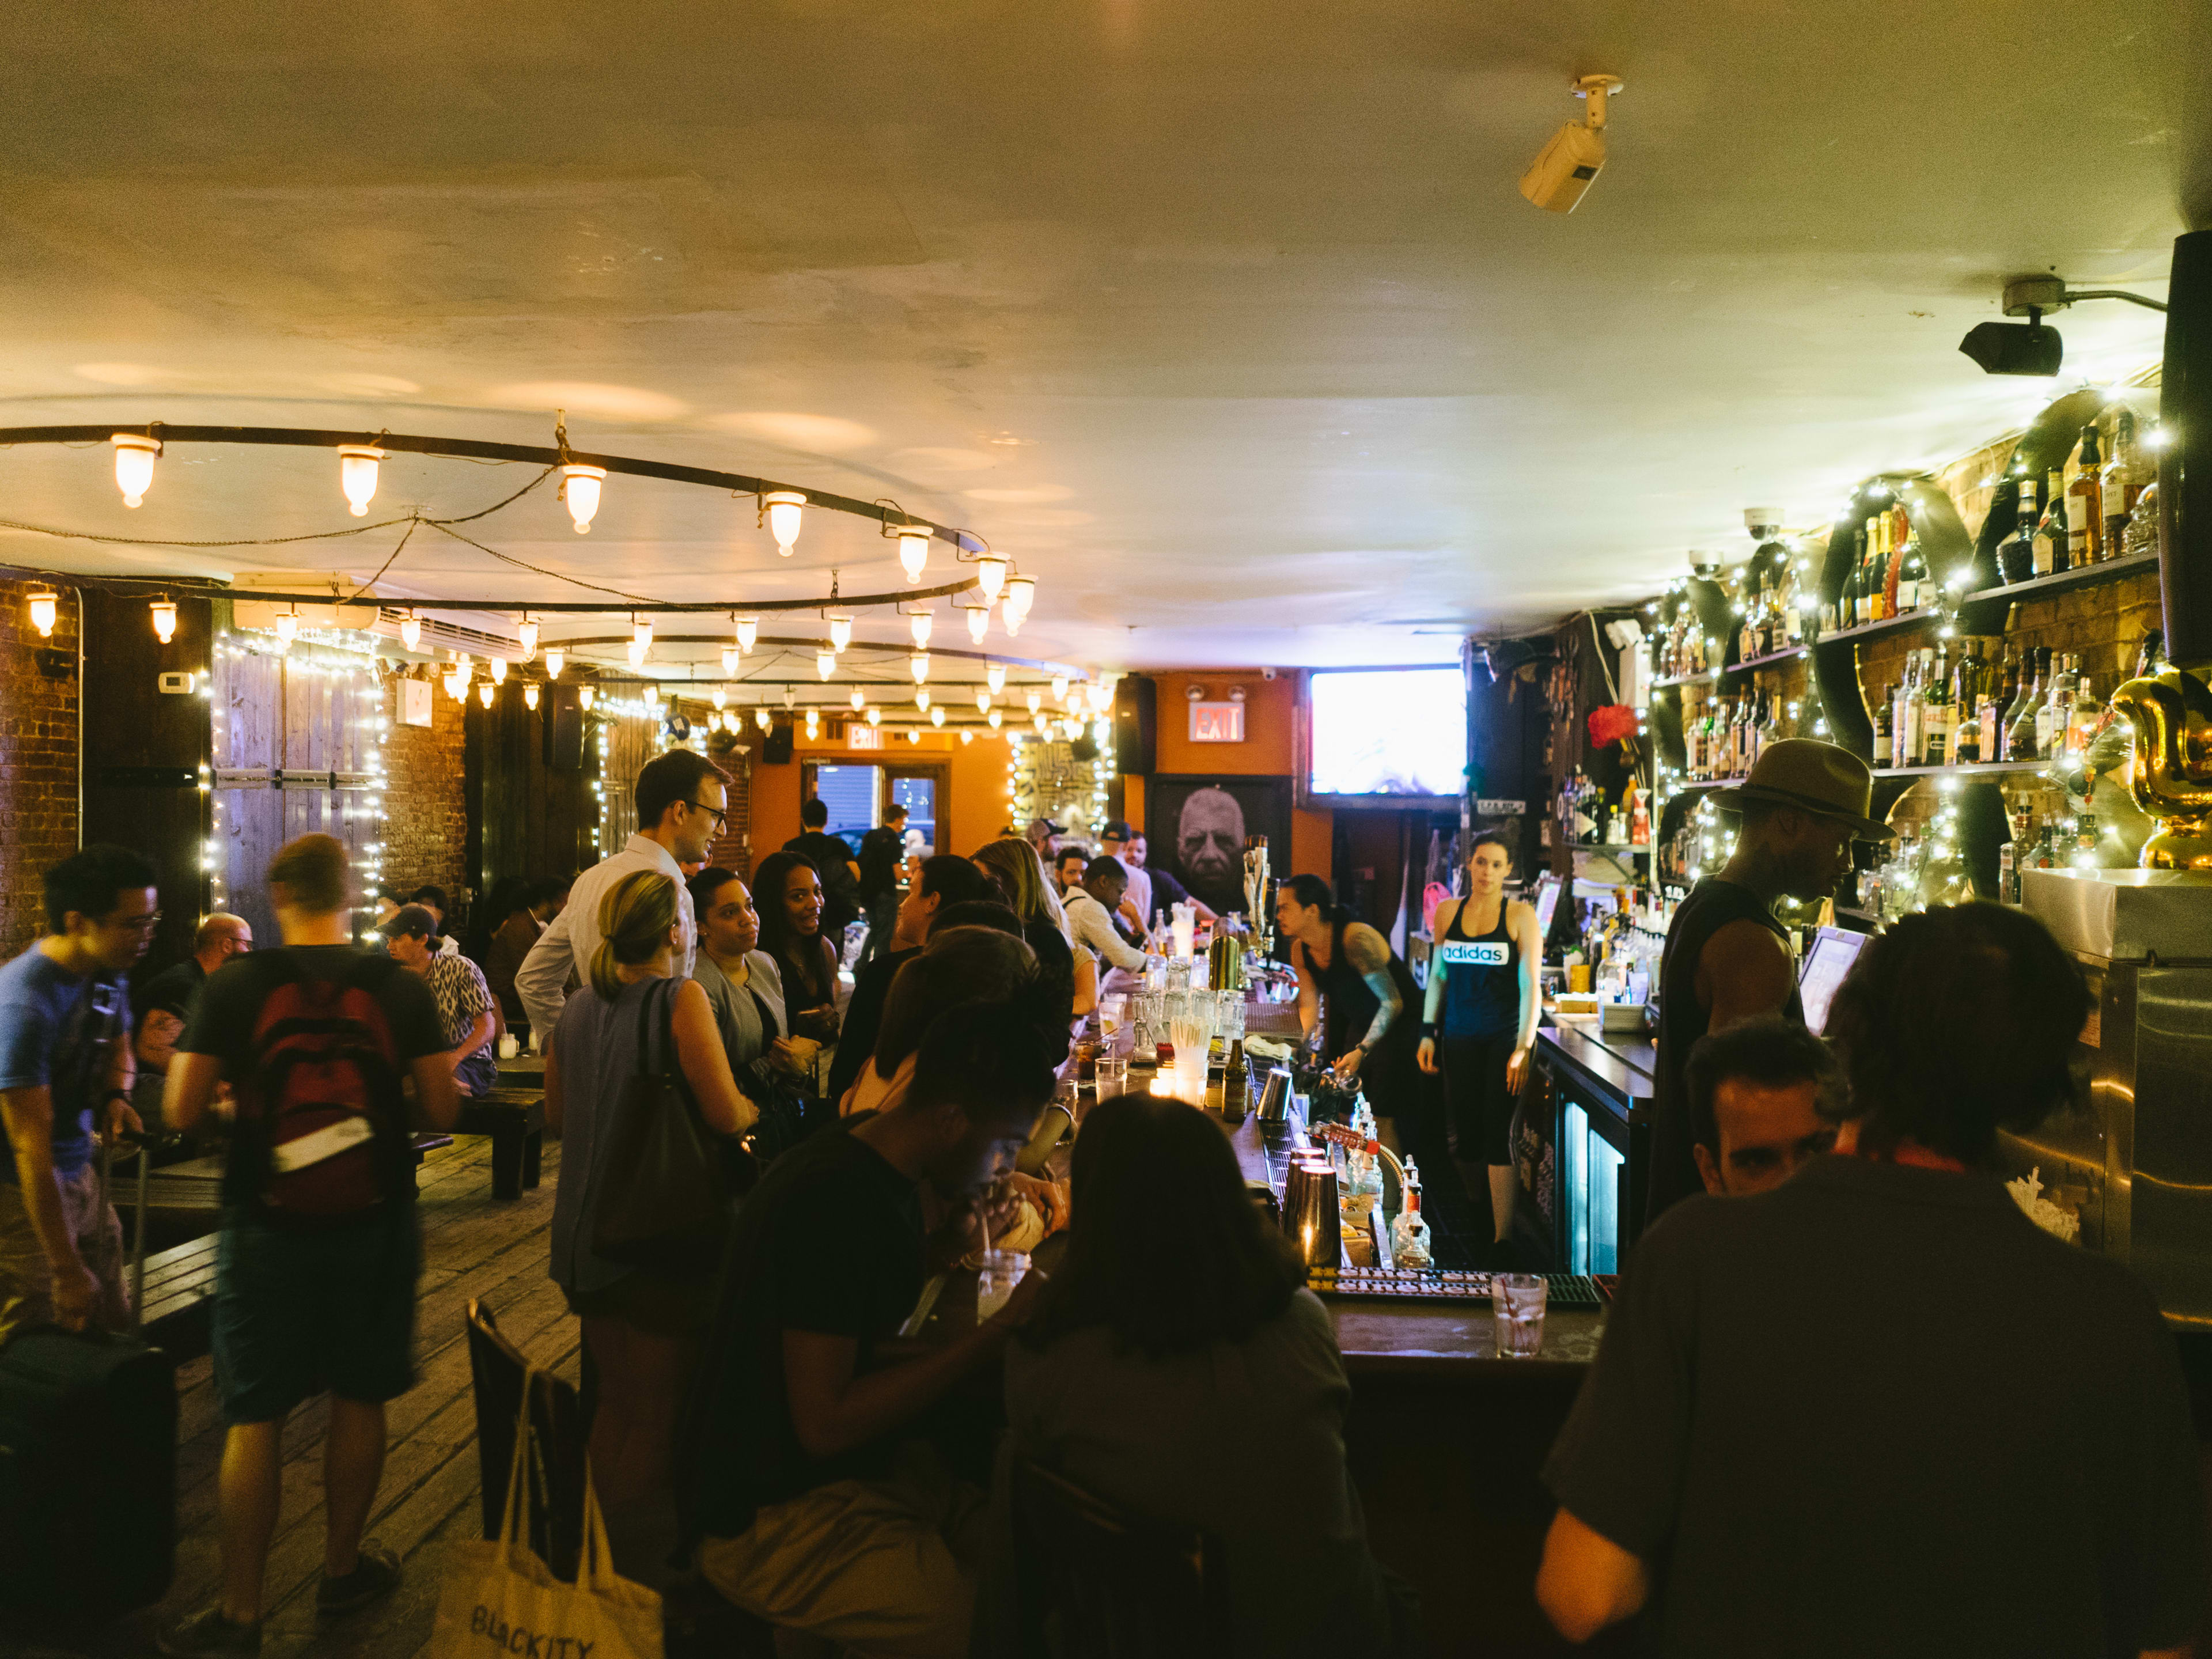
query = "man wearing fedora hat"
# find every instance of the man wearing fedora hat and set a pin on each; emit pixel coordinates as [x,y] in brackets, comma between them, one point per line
[1726,958]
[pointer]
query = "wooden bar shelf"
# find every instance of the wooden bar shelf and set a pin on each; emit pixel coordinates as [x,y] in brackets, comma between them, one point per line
[2087,575]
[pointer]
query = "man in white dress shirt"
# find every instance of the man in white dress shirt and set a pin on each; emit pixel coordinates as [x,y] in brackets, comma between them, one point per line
[1090,910]
[681,798]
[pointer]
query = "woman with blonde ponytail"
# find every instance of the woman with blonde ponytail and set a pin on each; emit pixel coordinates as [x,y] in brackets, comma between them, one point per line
[643,1329]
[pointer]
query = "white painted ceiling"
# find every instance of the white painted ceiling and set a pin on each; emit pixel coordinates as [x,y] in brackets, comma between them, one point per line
[1225,320]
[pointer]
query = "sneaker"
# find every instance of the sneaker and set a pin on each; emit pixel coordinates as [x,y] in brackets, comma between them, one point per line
[208,1635]
[376,1573]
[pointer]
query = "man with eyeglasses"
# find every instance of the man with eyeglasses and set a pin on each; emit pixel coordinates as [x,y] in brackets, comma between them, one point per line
[683,802]
[162,1007]
[65,1057]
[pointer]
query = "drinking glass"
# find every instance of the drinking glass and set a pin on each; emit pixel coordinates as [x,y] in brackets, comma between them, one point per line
[509,1046]
[1516,1308]
[1109,1015]
[995,1281]
[1113,1075]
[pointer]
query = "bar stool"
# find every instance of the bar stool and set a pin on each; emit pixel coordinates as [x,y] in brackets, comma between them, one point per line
[1095,1582]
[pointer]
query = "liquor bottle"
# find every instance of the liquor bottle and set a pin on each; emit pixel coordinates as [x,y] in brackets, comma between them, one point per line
[2085,513]
[2050,725]
[1877,559]
[1884,729]
[2051,528]
[2088,714]
[1410,1244]
[1896,532]
[2016,552]
[1914,710]
[2020,719]
[1937,734]
[1234,1084]
[1771,731]
[2125,475]
[1911,576]
[1966,709]
[1995,700]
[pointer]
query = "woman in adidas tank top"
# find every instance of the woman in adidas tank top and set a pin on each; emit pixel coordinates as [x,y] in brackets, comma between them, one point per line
[1478,1024]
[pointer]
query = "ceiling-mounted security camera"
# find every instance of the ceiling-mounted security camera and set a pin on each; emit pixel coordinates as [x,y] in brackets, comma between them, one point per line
[1704,562]
[1765,523]
[1568,164]
[1624,633]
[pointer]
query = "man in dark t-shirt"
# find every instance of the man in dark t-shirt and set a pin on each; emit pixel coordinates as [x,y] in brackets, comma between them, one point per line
[1876,1410]
[882,850]
[163,1006]
[304,1307]
[817,1509]
[1727,959]
[833,859]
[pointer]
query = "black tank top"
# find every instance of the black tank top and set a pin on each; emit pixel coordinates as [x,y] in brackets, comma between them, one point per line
[1384,1075]
[1712,905]
[1482,977]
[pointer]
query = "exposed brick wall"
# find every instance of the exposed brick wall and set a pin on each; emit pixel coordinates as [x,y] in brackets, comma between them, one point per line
[38,762]
[426,806]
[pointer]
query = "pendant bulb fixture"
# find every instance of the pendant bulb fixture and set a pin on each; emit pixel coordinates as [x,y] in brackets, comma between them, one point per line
[721,698]
[641,632]
[790,697]
[996,718]
[918,663]
[860,699]
[914,549]
[288,625]
[357,476]
[990,576]
[498,666]
[731,658]
[526,631]
[918,624]
[983,701]
[914,734]
[813,723]
[936,716]
[748,631]
[978,622]
[840,629]
[164,612]
[995,676]
[784,508]
[1014,627]
[410,631]
[1021,593]
[967,736]
[652,692]
[134,466]
[825,662]
[1060,688]
[763,718]
[585,695]
[484,693]
[556,661]
[875,715]
[1035,702]
[579,489]
[636,653]
[529,695]
[921,697]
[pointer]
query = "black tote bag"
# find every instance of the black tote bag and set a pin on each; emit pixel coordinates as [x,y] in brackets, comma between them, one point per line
[666,1198]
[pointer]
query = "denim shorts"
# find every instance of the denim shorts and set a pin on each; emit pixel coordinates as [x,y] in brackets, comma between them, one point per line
[299,1312]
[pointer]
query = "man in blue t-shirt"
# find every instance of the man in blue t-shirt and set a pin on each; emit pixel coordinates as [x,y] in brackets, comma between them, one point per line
[66,1056]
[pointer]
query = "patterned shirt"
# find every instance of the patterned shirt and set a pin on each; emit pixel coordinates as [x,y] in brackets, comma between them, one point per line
[458,987]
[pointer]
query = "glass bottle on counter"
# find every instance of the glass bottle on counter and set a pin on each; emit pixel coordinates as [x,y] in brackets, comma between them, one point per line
[2085,513]
[2125,475]
[1410,1245]
[2050,555]
[2016,553]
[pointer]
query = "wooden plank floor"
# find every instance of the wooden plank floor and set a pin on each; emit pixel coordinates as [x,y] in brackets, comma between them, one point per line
[473,1245]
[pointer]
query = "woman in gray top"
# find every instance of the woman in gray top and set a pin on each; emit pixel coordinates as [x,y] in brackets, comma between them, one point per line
[1177,1368]
[643,1329]
[740,979]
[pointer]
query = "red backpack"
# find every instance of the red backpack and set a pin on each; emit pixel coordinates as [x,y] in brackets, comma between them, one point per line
[323,1097]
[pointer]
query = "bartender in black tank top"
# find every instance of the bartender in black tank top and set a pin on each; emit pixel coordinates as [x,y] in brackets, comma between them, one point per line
[1726,958]
[1368,991]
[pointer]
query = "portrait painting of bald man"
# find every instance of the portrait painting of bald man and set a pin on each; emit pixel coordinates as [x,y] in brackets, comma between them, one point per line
[1196,829]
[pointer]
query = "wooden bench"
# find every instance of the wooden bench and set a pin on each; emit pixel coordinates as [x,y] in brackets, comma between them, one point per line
[515,1121]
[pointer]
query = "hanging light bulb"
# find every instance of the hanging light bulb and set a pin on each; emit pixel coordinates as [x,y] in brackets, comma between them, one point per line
[456,688]
[967,736]
[983,701]
[790,698]
[287,626]
[875,716]
[636,651]
[918,624]
[936,716]
[918,664]
[1021,593]
[134,466]
[529,695]
[763,718]
[580,491]
[44,606]
[995,676]
[556,661]
[996,718]
[859,699]
[164,612]
[1060,688]
[748,630]
[641,633]
[921,697]
[410,631]
[652,691]
[1044,726]
[526,630]
[825,663]
[840,629]
[990,576]
[583,695]
[461,663]
[979,621]
[1014,627]
[914,549]
[1035,702]
[813,723]
[914,734]
[784,507]
[721,698]
[357,476]
[731,658]
[498,666]
[484,693]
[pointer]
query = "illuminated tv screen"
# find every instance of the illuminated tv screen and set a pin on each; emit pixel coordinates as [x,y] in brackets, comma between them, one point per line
[1386,733]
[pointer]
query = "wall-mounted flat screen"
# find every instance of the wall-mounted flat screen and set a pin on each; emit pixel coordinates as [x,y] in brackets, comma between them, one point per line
[1384,736]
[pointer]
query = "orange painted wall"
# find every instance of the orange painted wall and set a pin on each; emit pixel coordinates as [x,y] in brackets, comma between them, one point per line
[1270,707]
[977,787]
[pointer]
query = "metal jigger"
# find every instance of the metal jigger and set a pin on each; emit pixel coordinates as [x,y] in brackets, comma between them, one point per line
[1309,1212]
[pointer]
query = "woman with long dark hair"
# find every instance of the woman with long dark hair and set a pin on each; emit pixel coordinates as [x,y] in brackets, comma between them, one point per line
[1177,1368]
[1012,863]
[1478,1023]
[789,889]
[1369,994]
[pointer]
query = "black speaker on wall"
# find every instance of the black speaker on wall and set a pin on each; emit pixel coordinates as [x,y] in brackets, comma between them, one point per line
[564,731]
[775,748]
[2184,465]
[1136,725]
